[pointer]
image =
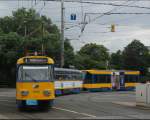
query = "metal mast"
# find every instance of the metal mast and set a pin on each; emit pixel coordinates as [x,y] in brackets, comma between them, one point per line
[62,33]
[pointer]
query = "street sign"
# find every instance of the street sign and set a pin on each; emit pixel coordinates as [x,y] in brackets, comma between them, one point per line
[73,16]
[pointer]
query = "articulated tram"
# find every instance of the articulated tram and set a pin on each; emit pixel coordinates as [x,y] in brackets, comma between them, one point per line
[131,79]
[104,80]
[97,80]
[35,82]
[68,81]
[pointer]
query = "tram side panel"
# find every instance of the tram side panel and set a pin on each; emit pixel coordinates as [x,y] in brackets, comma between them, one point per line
[58,88]
[131,79]
[66,87]
[67,81]
[96,80]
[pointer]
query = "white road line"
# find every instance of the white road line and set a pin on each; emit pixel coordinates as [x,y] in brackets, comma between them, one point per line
[85,114]
[7,101]
[131,104]
[3,117]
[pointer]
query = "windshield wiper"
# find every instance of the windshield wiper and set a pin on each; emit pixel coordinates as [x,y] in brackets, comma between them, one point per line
[31,77]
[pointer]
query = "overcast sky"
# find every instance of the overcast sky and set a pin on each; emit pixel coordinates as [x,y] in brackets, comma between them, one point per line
[128,27]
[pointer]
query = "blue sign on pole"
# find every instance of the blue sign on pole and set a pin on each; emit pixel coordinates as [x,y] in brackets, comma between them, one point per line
[73,16]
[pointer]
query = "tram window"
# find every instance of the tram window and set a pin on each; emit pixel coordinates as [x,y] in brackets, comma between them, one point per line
[78,76]
[131,78]
[72,76]
[51,72]
[64,77]
[137,78]
[126,78]
[88,78]
[36,73]
[20,73]
[103,79]
[95,78]
[69,76]
[108,78]
[75,77]
[58,76]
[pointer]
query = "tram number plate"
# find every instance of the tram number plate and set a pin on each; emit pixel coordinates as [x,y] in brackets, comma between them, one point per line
[31,102]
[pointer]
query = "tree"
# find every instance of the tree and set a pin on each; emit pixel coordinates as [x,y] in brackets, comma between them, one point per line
[69,54]
[10,45]
[116,60]
[92,56]
[36,30]
[26,31]
[135,56]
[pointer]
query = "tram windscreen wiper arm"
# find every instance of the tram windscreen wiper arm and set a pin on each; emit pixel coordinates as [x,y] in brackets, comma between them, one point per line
[31,77]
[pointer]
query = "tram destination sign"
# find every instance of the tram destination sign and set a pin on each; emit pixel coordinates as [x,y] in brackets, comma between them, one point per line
[36,60]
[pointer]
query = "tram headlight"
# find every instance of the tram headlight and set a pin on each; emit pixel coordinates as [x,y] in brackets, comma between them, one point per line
[24,93]
[46,92]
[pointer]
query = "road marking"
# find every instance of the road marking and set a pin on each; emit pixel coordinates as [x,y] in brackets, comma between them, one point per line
[131,104]
[3,117]
[3,100]
[85,114]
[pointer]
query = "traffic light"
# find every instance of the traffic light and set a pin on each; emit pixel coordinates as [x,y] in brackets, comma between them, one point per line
[112,28]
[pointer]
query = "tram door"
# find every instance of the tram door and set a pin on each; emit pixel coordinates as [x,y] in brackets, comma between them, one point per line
[115,81]
[122,80]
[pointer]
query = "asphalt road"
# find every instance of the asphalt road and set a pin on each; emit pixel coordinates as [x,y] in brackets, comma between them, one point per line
[99,105]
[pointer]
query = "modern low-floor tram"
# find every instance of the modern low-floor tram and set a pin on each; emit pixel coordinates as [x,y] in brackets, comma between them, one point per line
[108,80]
[97,80]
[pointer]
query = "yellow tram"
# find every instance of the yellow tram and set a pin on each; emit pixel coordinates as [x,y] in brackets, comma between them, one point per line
[35,82]
[131,79]
[97,80]
[104,80]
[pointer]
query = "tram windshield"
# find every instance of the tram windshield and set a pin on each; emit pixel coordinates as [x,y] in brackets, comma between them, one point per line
[35,73]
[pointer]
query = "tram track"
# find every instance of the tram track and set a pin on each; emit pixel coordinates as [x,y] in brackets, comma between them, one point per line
[97,105]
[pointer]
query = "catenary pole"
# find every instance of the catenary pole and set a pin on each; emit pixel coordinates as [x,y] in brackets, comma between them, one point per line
[62,33]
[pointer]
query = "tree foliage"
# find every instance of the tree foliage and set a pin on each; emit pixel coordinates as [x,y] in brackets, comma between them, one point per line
[27,31]
[92,56]
[116,60]
[135,56]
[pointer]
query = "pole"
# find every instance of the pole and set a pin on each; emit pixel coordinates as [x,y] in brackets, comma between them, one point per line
[25,31]
[42,38]
[62,33]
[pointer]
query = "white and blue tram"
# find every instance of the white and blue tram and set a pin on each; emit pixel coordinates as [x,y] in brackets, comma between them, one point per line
[68,81]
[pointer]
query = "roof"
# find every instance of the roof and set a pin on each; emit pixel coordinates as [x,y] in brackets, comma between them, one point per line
[111,71]
[21,60]
[99,71]
[67,70]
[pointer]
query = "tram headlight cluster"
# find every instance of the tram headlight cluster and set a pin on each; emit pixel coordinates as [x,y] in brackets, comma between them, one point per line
[24,93]
[46,92]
